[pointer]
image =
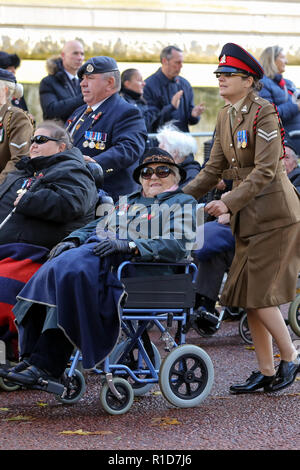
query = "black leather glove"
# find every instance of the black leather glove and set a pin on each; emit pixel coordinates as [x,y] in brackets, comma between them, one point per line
[109,246]
[62,246]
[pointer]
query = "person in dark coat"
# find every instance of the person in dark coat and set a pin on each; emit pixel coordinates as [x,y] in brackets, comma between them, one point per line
[183,148]
[82,263]
[52,192]
[169,96]
[11,62]
[132,87]
[281,92]
[60,92]
[291,164]
[107,129]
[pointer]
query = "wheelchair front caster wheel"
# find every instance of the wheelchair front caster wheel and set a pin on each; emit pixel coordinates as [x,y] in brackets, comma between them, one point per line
[294,315]
[75,385]
[139,388]
[8,386]
[112,404]
[244,329]
[186,376]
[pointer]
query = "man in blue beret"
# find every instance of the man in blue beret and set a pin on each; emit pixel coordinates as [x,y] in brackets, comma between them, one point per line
[107,129]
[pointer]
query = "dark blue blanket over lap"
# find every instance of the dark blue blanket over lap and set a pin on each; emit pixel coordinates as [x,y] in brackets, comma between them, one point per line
[217,238]
[87,296]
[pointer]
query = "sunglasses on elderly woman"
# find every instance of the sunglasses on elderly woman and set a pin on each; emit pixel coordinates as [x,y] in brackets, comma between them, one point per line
[42,139]
[160,171]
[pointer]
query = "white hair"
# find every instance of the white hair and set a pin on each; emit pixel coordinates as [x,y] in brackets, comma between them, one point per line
[177,143]
[14,89]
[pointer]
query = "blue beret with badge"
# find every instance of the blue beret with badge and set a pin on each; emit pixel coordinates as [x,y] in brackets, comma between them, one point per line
[99,64]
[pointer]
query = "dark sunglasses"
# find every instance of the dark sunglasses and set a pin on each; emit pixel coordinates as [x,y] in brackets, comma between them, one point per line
[160,171]
[231,74]
[42,139]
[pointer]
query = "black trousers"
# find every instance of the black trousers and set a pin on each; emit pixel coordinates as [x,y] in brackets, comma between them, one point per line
[50,350]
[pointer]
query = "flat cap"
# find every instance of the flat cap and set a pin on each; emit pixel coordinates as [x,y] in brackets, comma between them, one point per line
[234,58]
[7,76]
[99,64]
[9,60]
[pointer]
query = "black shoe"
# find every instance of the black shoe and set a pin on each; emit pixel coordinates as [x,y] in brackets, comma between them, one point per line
[29,376]
[286,374]
[256,381]
[17,368]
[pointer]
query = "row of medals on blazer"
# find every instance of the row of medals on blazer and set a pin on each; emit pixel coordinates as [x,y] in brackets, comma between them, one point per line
[92,139]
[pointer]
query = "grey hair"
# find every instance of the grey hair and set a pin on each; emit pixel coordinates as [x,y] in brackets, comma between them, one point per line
[117,77]
[267,60]
[168,51]
[177,143]
[14,89]
[57,132]
[173,168]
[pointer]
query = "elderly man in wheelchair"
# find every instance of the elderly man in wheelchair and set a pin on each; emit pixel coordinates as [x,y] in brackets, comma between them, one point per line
[74,299]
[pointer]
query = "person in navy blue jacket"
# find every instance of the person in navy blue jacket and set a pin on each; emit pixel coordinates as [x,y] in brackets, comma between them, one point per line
[169,96]
[282,92]
[109,130]
[60,92]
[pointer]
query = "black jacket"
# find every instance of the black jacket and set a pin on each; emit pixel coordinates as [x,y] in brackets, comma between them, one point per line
[61,198]
[57,96]
[294,177]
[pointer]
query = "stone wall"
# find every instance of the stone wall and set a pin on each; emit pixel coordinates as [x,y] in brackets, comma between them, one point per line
[138,30]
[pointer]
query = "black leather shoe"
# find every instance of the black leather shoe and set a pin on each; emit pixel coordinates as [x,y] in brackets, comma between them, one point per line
[17,368]
[29,376]
[286,374]
[256,381]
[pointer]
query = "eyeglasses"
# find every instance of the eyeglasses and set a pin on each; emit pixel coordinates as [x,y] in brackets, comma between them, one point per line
[160,171]
[231,74]
[42,139]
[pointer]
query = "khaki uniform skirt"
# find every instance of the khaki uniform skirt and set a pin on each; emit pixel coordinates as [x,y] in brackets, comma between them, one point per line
[264,270]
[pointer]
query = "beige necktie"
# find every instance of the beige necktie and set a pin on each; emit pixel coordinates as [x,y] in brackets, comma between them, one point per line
[232,114]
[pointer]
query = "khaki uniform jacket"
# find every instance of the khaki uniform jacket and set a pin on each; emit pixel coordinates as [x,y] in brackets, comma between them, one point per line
[262,197]
[15,143]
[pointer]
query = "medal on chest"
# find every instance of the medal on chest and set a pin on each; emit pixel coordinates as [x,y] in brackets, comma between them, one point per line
[94,140]
[242,139]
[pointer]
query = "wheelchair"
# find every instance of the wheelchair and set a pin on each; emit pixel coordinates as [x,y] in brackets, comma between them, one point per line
[185,375]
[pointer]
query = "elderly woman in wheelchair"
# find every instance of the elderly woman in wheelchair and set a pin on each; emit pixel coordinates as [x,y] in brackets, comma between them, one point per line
[75,297]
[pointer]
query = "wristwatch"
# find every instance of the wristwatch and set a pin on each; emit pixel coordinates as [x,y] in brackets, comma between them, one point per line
[132,246]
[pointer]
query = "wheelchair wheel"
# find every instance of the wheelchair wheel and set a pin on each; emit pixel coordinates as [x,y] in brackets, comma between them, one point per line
[111,403]
[244,329]
[186,376]
[8,386]
[76,387]
[294,315]
[138,388]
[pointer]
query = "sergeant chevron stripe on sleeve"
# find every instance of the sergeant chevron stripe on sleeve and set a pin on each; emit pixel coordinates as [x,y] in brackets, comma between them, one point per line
[267,135]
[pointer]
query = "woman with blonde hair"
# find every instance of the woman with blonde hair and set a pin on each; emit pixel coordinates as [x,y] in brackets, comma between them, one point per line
[282,92]
[16,127]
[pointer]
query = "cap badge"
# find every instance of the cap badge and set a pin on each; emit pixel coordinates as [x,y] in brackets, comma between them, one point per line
[89,68]
[223,59]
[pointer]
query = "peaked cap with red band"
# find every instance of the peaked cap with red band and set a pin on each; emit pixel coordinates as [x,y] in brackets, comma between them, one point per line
[234,58]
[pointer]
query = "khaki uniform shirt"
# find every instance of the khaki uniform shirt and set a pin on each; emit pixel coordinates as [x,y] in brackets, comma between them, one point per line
[16,131]
[262,197]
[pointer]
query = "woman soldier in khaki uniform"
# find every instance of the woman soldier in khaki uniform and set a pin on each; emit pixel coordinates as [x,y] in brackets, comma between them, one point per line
[15,125]
[265,215]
